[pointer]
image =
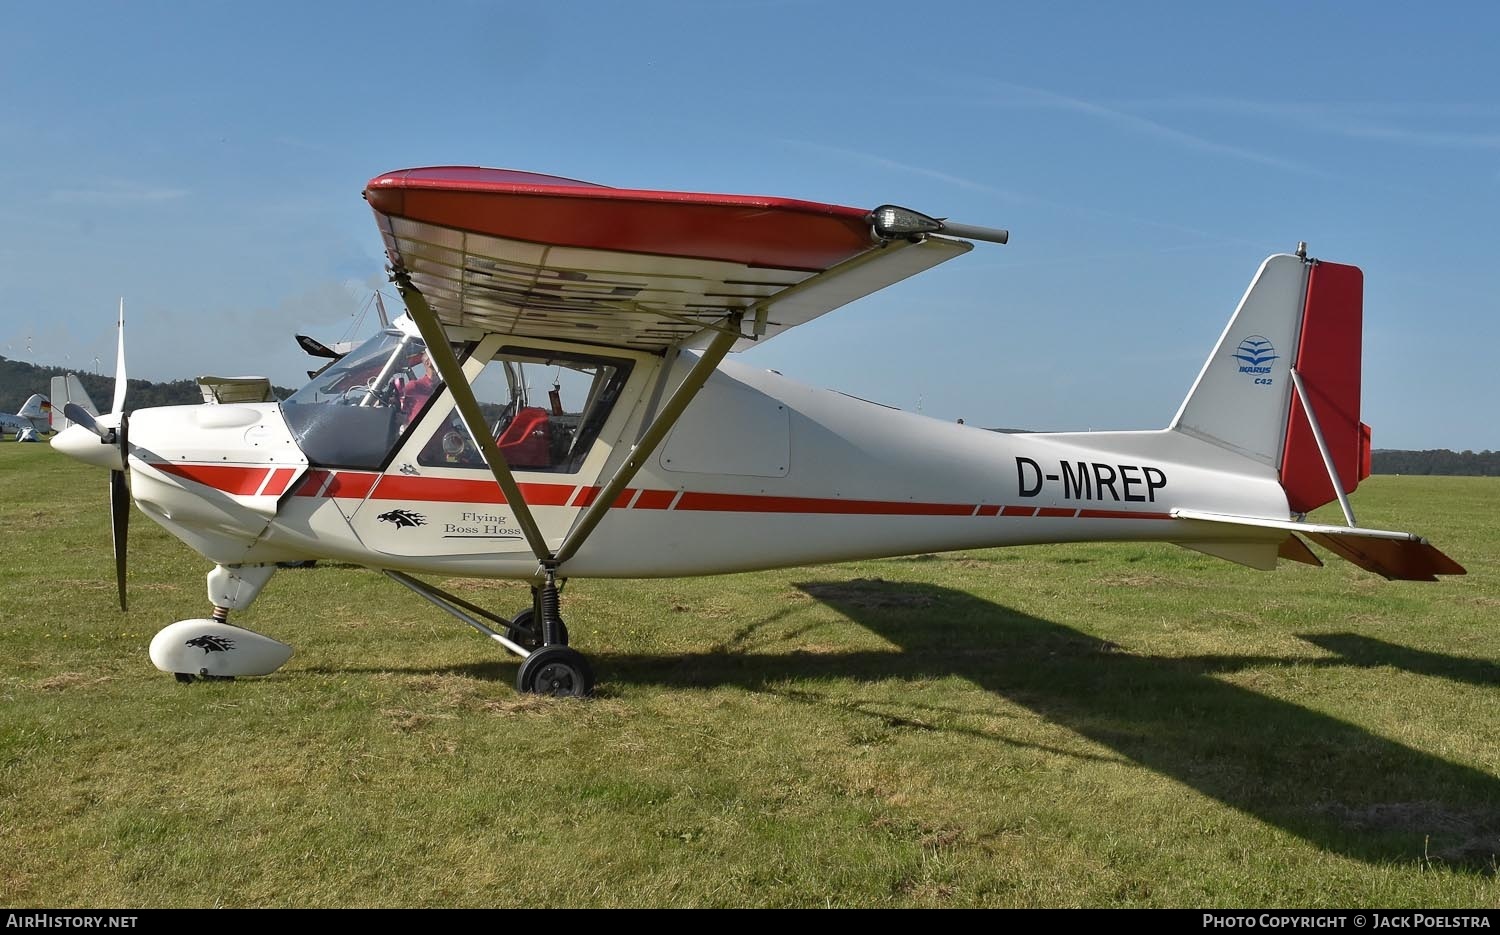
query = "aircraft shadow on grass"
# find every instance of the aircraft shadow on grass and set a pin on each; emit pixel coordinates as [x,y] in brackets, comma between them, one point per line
[1325,780]
[1366,652]
[1330,782]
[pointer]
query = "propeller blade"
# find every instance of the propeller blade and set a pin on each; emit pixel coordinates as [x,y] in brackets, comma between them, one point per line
[119,514]
[119,507]
[83,417]
[119,403]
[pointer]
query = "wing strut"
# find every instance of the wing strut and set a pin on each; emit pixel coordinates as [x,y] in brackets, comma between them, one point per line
[646,446]
[468,409]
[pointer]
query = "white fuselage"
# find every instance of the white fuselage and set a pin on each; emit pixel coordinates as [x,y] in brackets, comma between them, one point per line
[760,472]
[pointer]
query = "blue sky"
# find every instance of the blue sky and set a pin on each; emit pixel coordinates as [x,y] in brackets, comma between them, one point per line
[206,160]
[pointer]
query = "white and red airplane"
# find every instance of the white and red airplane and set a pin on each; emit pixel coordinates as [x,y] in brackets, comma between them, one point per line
[558,402]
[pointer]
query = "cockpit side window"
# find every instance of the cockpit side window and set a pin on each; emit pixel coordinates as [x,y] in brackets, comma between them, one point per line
[544,411]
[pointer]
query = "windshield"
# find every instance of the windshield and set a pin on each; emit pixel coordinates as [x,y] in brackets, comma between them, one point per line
[353,413]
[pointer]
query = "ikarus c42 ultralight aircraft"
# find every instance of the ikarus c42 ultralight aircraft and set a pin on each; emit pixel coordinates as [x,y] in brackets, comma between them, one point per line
[558,402]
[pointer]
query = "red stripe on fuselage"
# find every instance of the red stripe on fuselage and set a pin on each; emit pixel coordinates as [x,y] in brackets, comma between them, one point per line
[240,481]
[1121,514]
[277,484]
[654,499]
[587,495]
[312,484]
[754,503]
[358,484]
[355,485]
[449,490]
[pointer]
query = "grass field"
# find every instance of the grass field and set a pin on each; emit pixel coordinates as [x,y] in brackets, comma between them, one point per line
[1050,726]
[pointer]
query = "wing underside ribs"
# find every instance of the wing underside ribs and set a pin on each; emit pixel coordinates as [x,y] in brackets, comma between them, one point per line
[536,256]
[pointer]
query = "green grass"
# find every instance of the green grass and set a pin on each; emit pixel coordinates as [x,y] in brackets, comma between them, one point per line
[1127,725]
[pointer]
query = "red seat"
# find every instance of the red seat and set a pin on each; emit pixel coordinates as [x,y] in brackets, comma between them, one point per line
[527,441]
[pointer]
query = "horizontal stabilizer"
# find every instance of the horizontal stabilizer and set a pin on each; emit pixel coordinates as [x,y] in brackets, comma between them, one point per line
[1392,559]
[1258,555]
[1395,556]
[1294,549]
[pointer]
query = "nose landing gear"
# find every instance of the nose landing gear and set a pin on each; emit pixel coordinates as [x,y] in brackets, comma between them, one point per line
[215,650]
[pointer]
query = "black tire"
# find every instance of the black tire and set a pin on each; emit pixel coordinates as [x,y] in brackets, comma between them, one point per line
[520,630]
[523,632]
[557,671]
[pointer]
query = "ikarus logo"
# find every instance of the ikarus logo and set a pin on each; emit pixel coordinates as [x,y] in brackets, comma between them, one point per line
[1256,355]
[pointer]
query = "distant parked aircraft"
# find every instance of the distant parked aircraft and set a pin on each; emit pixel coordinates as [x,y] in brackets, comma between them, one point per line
[36,415]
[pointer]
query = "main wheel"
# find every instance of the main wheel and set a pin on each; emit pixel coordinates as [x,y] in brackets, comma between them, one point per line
[522,631]
[557,671]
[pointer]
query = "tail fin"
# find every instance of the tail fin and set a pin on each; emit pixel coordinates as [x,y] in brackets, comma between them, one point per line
[38,411]
[1300,322]
[1303,314]
[35,407]
[69,389]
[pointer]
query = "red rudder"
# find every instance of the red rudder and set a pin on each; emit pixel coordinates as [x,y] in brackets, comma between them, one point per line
[1328,360]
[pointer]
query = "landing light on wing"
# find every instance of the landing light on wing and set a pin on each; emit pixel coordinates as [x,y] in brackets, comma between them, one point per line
[893,222]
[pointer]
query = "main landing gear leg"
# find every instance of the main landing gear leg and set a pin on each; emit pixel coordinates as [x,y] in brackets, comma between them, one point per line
[548,666]
[554,668]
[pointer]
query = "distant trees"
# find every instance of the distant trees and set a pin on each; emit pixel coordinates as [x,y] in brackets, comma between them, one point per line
[1437,461]
[18,380]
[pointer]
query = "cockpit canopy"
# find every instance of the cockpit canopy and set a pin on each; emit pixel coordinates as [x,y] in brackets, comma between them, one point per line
[353,413]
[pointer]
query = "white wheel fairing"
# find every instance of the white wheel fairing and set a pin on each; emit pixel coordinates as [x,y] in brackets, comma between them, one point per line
[220,650]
